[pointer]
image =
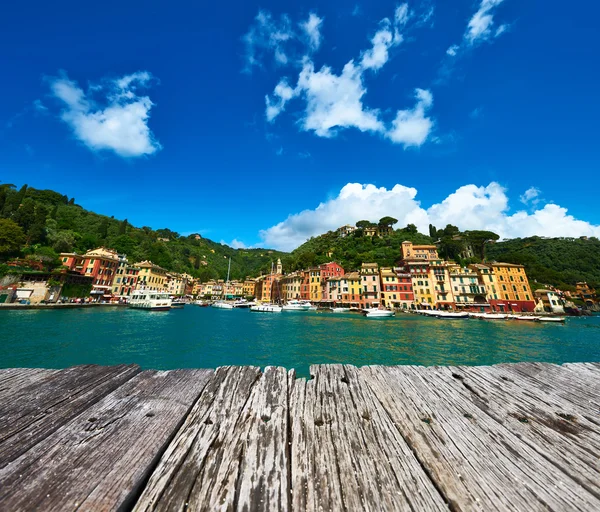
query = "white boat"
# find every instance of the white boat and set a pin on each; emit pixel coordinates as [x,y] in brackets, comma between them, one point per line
[267,308]
[340,310]
[294,305]
[493,316]
[308,303]
[243,303]
[528,318]
[177,304]
[477,315]
[151,300]
[555,319]
[452,314]
[222,305]
[378,313]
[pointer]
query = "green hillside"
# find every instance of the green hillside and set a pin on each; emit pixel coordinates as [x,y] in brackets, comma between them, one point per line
[37,225]
[558,261]
[354,249]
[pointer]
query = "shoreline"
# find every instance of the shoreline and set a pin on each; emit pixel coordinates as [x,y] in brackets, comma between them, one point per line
[57,306]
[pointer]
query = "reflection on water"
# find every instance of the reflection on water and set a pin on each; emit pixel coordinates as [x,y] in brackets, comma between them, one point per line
[205,337]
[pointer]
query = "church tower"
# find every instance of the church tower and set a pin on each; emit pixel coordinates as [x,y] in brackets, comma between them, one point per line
[279,267]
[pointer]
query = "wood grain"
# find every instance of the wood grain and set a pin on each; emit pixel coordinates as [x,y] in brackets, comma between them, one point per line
[100,459]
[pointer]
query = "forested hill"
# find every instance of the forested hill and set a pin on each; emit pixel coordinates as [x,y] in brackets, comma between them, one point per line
[354,249]
[556,261]
[48,223]
[559,262]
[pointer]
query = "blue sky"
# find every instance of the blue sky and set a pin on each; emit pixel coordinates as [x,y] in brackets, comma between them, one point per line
[267,123]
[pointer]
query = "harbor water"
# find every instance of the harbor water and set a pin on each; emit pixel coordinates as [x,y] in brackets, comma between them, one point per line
[196,337]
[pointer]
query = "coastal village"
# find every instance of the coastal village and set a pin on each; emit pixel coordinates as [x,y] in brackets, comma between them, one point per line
[421,280]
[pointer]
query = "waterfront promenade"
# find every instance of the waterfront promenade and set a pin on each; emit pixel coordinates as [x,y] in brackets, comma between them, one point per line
[520,436]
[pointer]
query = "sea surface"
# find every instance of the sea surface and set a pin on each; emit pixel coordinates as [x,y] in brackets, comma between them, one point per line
[197,337]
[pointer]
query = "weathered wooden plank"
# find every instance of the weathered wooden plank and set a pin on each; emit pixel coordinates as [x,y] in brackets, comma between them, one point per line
[35,410]
[100,459]
[346,453]
[13,379]
[476,462]
[198,469]
[565,381]
[538,418]
[264,469]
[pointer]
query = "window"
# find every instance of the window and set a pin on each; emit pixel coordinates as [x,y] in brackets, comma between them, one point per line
[524,288]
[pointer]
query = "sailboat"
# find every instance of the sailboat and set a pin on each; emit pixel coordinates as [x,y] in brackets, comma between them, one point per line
[221,304]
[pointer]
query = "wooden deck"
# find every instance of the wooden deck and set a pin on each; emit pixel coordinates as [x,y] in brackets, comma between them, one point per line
[507,437]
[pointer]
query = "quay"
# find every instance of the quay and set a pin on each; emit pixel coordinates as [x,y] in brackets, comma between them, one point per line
[520,436]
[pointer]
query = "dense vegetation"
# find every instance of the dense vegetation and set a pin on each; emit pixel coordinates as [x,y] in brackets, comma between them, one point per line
[561,262]
[351,251]
[37,225]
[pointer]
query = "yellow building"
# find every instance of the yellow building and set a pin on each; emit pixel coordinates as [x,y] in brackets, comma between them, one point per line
[513,288]
[442,290]
[290,286]
[315,284]
[151,276]
[249,288]
[390,287]
[419,252]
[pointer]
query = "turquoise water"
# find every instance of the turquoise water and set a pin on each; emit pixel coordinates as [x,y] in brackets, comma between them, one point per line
[207,338]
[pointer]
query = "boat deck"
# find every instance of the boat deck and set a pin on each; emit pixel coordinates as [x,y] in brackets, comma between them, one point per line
[508,437]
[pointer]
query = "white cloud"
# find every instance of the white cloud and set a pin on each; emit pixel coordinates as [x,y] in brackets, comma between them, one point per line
[469,207]
[119,122]
[283,93]
[267,36]
[480,25]
[453,50]
[412,127]
[531,195]
[235,244]
[312,28]
[333,102]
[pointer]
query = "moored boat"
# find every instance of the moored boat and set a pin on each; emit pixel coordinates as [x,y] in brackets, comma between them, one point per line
[222,305]
[340,310]
[266,308]
[552,319]
[294,305]
[528,318]
[493,316]
[452,315]
[243,303]
[378,313]
[150,300]
[177,304]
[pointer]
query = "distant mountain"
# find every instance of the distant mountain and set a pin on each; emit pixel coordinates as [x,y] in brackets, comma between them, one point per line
[53,223]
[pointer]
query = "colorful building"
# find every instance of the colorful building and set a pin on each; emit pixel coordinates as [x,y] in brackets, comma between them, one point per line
[442,289]
[548,301]
[125,278]
[290,286]
[370,293]
[100,264]
[249,288]
[151,276]
[513,288]
[469,292]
